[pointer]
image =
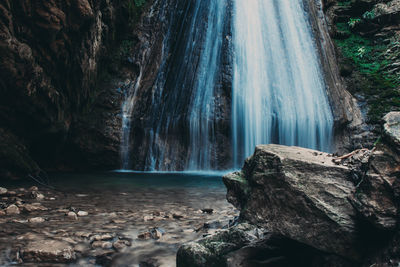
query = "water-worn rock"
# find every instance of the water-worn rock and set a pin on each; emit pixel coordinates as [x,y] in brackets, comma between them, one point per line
[36,220]
[72,216]
[392,128]
[37,195]
[102,244]
[12,210]
[48,251]
[33,207]
[82,213]
[3,190]
[375,195]
[299,193]
[154,233]
[100,237]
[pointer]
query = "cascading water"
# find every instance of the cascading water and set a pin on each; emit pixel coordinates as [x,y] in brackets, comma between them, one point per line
[184,119]
[127,109]
[278,88]
[201,116]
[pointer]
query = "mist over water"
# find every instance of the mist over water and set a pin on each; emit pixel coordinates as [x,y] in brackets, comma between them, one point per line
[278,88]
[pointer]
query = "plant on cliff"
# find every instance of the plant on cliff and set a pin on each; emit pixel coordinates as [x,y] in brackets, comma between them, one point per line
[353,22]
[369,15]
[371,59]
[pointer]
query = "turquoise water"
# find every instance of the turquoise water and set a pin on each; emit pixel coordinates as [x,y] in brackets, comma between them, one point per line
[128,181]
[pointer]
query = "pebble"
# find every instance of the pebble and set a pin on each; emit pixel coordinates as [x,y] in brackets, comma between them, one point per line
[102,244]
[117,221]
[154,233]
[101,237]
[36,220]
[81,247]
[19,221]
[33,207]
[83,234]
[121,244]
[37,195]
[33,188]
[82,213]
[3,190]
[148,218]
[12,210]
[72,215]
[144,236]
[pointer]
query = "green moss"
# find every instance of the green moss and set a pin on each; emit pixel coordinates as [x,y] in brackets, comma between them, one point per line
[344,3]
[375,83]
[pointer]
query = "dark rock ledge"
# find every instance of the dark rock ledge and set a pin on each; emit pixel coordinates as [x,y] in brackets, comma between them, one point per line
[301,207]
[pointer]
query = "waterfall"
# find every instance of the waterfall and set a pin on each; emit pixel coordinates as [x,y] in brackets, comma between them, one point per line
[278,88]
[214,97]
[127,109]
[201,114]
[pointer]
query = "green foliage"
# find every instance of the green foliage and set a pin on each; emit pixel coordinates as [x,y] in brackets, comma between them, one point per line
[369,59]
[369,15]
[140,3]
[344,3]
[353,22]
[361,52]
[378,141]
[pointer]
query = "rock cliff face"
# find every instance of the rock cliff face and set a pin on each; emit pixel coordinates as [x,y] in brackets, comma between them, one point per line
[344,206]
[366,37]
[54,104]
[167,58]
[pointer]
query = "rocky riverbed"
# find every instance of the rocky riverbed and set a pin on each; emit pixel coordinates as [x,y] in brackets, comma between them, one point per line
[124,225]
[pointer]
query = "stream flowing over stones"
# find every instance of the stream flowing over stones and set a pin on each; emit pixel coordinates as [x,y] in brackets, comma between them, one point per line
[232,75]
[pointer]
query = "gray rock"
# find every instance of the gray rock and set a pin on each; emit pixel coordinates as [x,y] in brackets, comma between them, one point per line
[102,244]
[374,196]
[48,251]
[12,210]
[121,244]
[82,213]
[72,216]
[3,190]
[36,220]
[392,127]
[33,207]
[210,251]
[37,195]
[298,193]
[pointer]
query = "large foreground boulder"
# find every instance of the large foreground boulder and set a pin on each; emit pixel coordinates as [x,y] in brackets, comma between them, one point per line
[299,193]
[343,205]
[314,208]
